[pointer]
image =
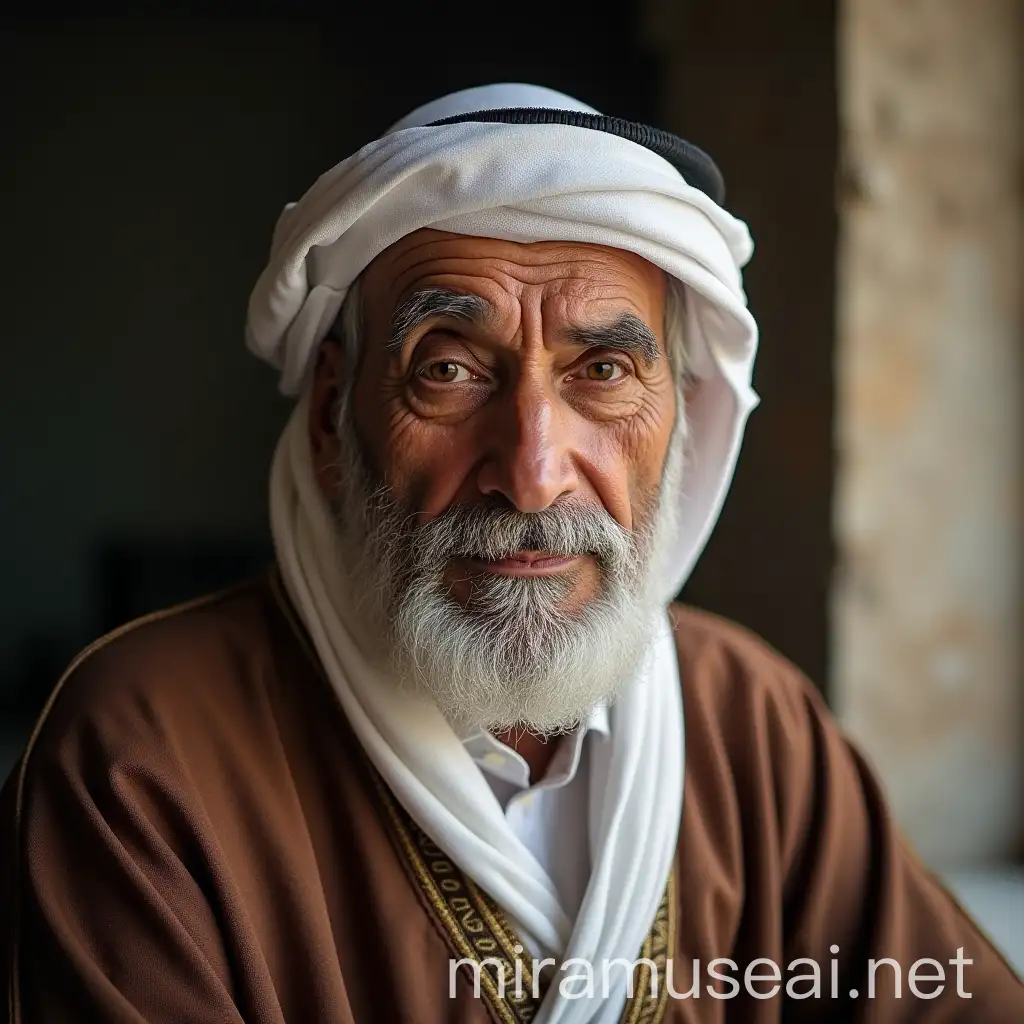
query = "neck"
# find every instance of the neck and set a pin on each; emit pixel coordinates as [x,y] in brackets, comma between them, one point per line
[536,751]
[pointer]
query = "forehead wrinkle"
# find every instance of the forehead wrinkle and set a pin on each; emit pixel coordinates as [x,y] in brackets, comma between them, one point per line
[428,303]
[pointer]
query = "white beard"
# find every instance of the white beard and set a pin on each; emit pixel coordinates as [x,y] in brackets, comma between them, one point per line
[513,656]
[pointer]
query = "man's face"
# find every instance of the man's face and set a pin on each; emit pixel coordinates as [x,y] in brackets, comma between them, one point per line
[511,415]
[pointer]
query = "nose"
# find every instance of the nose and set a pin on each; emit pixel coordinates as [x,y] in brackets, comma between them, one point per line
[529,456]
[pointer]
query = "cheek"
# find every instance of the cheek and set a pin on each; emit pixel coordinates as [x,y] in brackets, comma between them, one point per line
[625,459]
[424,463]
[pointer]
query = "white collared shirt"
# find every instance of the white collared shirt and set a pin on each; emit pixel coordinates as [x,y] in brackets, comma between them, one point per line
[551,818]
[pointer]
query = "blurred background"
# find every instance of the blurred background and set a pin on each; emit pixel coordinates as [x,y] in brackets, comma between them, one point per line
[874,530]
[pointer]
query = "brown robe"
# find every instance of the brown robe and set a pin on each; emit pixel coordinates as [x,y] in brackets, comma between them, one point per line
[195,835]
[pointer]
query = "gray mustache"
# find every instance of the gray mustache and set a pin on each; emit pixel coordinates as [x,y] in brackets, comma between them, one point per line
[484,531]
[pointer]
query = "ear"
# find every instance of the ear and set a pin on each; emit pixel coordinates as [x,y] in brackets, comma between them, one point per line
[323,404]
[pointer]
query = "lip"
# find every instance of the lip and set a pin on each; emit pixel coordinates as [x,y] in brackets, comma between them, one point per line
[526,563]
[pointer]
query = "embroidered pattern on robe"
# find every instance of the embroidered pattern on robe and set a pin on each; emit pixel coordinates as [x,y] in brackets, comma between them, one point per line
[477,930]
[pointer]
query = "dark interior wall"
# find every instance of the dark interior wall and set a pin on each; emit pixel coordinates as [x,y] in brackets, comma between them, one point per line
[755,85]
[146,159]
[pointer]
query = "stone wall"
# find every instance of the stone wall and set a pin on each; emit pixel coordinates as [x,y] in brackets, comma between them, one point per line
[926,655]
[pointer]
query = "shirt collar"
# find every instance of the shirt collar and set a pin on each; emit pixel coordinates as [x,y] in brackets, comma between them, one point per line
[501,761]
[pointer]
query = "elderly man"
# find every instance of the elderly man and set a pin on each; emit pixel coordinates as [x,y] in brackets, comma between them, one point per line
[459,757]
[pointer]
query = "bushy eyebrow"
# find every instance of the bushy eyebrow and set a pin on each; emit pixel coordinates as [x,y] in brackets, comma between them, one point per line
[428,303]
[627,334]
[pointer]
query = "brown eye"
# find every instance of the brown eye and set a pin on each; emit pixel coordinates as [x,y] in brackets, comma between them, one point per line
[446,372]
[603,370]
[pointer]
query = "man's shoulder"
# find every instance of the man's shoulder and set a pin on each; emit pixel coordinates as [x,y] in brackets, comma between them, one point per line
[191,662]
[701,636]
[755,726]
[731,672]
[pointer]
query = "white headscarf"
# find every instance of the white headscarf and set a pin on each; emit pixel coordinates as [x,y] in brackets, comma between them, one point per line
[522,183]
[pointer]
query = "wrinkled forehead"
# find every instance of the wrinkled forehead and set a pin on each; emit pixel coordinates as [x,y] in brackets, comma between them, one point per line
[501,270]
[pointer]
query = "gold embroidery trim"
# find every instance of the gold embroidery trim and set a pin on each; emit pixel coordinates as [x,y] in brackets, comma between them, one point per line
[647,1006]
[477,930]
